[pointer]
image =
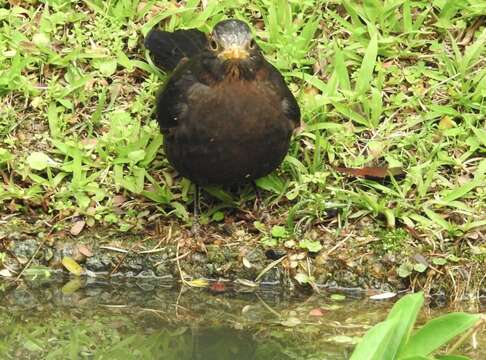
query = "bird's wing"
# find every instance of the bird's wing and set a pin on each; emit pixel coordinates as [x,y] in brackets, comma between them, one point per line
[289,103]
[167,49]
[172,101]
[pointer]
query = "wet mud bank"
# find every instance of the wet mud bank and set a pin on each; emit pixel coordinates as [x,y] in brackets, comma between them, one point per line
[235,260]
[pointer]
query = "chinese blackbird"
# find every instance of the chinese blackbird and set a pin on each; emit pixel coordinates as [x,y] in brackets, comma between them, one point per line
[226,113]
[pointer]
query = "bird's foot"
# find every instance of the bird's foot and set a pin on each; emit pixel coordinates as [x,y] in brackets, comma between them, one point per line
[258,209]
[257,205]
[195,228]
[197,239]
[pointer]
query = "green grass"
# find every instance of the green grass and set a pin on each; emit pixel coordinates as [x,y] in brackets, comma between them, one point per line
[396,83]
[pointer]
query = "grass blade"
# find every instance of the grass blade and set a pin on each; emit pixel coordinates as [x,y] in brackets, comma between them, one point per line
[365,74]
[341,70]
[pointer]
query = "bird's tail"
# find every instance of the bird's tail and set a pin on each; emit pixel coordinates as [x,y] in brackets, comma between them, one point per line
[168,48]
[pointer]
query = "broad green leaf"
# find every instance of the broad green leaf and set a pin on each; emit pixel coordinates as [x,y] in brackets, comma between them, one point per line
[72,266]
[420,267]
[405,270]
[39,161]
[72,286]
[41,40]
[291,322]
[38,271]
[260,226]
[220,194]
[311,245]
[439,261]
[302,278]
[438,332]
[82,199]
[34,346]
[376,341]
[136,155]
[405,311]
[106,66]
[279,231]
[5,156]
[218,216]
[200,283]
[271,182]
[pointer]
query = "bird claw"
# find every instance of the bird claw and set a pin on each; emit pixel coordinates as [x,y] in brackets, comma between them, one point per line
[257,205]
[196,236]
[195,229]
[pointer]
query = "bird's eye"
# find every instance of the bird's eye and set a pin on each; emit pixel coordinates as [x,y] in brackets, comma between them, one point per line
[252,44]
[213,45]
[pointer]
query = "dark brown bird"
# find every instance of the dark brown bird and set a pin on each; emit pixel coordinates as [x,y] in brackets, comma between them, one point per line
[226,113]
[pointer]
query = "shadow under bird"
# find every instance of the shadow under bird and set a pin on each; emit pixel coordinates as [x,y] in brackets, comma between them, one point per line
[226,113]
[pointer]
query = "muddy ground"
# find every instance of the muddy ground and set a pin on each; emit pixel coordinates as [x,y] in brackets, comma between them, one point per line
[234,251]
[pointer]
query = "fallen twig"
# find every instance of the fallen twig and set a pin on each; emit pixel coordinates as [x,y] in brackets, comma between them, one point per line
[271,265]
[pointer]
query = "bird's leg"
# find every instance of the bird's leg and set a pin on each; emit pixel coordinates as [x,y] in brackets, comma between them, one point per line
[197,210]
[258,199]
[196,226]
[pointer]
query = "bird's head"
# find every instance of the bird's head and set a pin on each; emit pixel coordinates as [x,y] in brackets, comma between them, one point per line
[232,43]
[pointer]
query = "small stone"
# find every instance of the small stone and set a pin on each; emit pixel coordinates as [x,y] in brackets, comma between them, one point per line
[383,296]
[275,254]
[272,277]
[146,274]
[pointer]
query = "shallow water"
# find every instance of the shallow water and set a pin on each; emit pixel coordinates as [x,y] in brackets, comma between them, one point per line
[133,319]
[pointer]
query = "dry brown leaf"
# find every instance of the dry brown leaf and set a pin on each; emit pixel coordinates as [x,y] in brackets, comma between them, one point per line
[372,172]
[118,200]
[5,273]
[446,123]
[77,227]
[83,249]
[316,312]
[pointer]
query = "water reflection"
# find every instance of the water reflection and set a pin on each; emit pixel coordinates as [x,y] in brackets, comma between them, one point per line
[153,320]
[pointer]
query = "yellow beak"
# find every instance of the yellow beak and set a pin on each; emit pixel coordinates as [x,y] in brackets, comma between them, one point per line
[233,53]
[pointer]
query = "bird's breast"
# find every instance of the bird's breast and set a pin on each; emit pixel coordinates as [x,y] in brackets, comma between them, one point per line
[231,132]
[234,109]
